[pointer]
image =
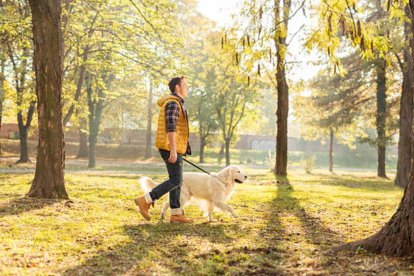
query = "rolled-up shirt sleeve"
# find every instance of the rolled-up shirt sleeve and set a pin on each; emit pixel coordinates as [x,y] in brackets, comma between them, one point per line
[172,111]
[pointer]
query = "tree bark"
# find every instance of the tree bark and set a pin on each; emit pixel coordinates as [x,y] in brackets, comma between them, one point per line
[405,147]
[381,117]
[282,88]
[148,142]
[49,180]
[331,141]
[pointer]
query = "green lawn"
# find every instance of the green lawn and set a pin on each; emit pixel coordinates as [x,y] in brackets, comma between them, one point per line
[282,228]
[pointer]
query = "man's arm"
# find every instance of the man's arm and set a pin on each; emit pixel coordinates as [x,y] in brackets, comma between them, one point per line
[172,111]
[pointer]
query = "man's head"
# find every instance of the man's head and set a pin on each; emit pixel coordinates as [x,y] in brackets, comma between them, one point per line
[179,86]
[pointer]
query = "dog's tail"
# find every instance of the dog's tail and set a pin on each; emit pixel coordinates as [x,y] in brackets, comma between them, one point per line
[147,184]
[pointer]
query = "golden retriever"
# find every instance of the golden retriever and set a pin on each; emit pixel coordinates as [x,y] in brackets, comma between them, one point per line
[206,190]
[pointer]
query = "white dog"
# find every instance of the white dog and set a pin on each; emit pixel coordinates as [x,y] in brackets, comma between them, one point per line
[207,190]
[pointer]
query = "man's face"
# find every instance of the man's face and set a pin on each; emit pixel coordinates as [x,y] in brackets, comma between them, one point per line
[182,88]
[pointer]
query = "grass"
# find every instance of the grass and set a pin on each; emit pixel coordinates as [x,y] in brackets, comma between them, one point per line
[283,228]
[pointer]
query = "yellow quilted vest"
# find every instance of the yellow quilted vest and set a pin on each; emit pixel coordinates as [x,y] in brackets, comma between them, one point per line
[161,140]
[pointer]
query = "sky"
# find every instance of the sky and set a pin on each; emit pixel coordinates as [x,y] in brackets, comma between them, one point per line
[219,10]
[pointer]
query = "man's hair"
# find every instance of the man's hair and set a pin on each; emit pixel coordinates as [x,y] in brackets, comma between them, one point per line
[173,82]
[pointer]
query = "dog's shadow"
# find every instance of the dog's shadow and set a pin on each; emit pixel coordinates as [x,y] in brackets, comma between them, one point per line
[215,232]
[162,238]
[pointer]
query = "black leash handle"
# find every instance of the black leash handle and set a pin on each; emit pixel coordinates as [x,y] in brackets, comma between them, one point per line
[191,163]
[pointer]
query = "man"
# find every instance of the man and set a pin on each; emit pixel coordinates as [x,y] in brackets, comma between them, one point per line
[172,142]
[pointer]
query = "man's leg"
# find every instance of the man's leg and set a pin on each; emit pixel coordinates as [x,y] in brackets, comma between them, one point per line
[175,201]
[175,174]
[145,202]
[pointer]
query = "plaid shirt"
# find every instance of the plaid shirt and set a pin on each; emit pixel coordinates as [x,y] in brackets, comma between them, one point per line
[172,112]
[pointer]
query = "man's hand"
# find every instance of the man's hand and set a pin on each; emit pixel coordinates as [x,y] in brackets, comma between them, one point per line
[173,147]
[173,157]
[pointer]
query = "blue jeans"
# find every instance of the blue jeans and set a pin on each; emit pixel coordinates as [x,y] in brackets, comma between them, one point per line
[173,184]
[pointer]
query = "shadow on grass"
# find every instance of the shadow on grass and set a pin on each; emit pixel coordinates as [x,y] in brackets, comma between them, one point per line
[313,227]
[23,204]
[164,242]
[349,181]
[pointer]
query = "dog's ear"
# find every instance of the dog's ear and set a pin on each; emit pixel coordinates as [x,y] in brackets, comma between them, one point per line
[228,176]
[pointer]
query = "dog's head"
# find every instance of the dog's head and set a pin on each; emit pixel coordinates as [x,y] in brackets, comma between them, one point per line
[233,174]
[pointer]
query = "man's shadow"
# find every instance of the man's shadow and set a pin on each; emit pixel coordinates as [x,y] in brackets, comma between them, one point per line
[168,240]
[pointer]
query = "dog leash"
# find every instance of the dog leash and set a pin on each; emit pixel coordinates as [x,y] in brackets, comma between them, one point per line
[191,163]
[215,176]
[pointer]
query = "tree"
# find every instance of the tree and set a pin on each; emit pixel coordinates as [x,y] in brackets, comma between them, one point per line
[204,84]
[107,39]
[16,42]
[232,95]
[340,103]
[49,180]
[333,108]
[204,109]
[269,21]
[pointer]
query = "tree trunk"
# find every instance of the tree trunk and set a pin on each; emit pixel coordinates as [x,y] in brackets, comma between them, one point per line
[94,125]
[148,142]
[227,151]
[83,144]
[91,117]
[381,117]
[406,118]
[282,126]
[48,51]
[202,145]
[95,107]
[2,93]
[331,141]
[221,153]
[281,21]
[92,151]
[1,116]
[23,132]
[24,155]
